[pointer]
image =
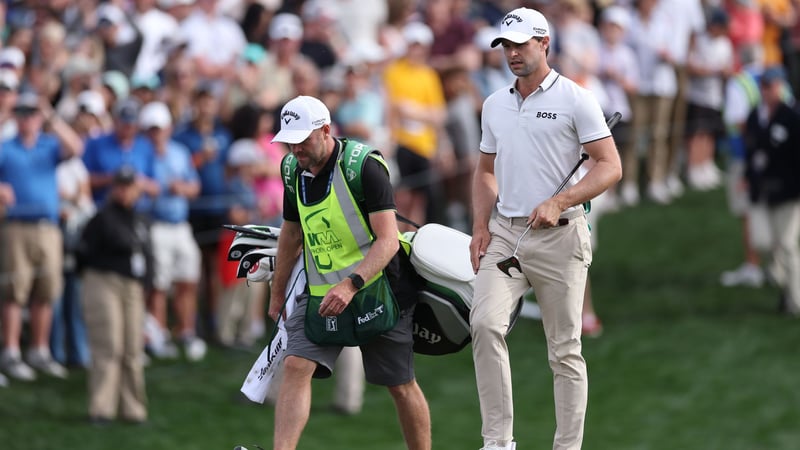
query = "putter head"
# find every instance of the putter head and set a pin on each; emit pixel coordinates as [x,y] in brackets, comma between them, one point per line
[509,263]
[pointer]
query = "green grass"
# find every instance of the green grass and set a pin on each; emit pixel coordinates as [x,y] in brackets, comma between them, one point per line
[683,364]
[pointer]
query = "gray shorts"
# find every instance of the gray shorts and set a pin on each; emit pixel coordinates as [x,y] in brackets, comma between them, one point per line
[388,359]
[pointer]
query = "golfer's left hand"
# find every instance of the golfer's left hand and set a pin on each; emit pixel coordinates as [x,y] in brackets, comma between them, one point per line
[337,299]
[545,215]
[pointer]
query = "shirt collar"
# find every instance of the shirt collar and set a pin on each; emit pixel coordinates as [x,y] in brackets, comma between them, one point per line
[549,80]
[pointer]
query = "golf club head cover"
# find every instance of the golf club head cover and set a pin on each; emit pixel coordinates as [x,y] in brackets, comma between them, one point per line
[257,265]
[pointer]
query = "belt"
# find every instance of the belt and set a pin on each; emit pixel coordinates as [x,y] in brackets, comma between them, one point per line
[563,220]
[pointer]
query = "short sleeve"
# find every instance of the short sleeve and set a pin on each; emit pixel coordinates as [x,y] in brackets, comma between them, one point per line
[590,124]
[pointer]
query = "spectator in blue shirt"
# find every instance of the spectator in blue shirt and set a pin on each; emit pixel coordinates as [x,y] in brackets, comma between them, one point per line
[32,258]
[175,251]
[122,146]
[208,141]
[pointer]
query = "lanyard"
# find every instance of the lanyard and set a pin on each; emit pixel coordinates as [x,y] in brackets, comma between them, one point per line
[303,187]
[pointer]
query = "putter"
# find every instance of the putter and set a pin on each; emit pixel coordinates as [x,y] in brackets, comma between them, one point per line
[512,262]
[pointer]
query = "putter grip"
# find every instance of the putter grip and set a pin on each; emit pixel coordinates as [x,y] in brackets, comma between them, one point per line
[614,120]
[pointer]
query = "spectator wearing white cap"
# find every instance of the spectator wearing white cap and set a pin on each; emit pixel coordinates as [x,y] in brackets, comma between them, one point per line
[92,118]
[175,251]
[157,27]
[285,37]
[323,41]
[215,41]
[417,113]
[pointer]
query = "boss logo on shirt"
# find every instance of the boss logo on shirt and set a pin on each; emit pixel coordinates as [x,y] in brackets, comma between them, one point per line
[546,115]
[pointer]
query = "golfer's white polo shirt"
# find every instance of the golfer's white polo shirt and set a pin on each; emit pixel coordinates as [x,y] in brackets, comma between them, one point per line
[537,140]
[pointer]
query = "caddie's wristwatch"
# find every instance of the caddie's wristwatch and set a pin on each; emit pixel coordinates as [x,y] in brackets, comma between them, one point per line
[358,282]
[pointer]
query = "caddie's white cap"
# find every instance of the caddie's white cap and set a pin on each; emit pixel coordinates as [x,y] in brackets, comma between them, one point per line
[521,25]
[299,117]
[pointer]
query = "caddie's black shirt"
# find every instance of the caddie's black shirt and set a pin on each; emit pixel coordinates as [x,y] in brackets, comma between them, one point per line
[378,193]
[378,196]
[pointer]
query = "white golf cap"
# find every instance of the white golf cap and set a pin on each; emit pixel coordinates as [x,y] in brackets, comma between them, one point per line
[243,152]
[417,33]
[521,25]
[155,115]
[12,57]
[91,102]
[299,117]
[286,26]
[617,15]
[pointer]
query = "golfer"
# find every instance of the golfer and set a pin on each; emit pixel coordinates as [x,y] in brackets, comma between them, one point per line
[347,249]
[533,133]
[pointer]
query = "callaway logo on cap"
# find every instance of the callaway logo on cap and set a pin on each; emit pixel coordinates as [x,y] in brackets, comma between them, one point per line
[522,24]
[301,116]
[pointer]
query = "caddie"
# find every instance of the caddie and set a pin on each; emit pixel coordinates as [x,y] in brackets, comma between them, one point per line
[339,212]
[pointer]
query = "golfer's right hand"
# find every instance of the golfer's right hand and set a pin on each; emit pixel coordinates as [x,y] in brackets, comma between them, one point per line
[477,247]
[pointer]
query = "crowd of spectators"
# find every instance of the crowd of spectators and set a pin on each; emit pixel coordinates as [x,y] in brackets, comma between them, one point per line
[186,93]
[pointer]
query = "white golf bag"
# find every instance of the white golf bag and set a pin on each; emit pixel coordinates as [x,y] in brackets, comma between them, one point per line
[439,254]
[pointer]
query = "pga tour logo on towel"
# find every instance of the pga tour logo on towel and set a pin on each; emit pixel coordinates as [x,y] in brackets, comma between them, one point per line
[331,324]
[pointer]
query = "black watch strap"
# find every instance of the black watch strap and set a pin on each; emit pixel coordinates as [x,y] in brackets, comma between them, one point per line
[358,282]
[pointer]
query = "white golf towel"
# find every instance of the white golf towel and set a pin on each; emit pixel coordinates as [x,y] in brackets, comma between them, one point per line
[256,385]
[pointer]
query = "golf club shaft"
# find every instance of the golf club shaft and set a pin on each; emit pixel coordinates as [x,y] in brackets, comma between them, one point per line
[611,122]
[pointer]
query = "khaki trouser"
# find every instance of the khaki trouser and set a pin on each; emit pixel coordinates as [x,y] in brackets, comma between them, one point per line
[113,308]
[677,133]
[651,116]
[555,262]
[784,222]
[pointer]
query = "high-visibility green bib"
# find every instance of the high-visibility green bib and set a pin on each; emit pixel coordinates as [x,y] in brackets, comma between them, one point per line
[336,239]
